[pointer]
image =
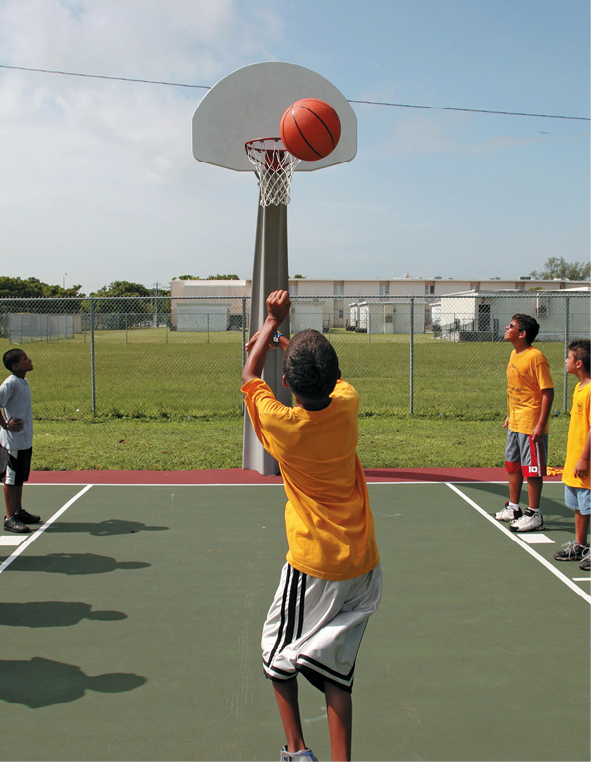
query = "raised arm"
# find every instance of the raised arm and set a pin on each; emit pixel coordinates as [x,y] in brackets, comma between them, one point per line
[278,304]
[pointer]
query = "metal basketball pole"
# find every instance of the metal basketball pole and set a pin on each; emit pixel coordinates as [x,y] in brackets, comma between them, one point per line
[270,273]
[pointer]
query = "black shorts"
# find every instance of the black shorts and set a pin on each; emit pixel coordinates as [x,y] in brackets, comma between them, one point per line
[15,466]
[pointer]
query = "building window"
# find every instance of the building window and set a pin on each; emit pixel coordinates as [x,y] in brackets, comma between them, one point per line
[429,289]
[338,289]
[293,289]
[384,289]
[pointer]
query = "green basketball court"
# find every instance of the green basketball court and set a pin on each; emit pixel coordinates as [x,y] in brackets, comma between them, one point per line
[131,624]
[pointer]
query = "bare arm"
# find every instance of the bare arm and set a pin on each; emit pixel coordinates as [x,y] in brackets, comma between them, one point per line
[547,399]
[278,305]
[10,424]
[582,465]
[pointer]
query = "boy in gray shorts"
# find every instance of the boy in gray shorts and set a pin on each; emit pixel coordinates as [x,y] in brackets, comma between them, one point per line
[331,582]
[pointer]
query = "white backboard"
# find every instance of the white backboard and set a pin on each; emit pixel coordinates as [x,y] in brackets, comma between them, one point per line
[249,104]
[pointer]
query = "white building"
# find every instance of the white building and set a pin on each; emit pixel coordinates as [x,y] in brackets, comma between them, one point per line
[479,316]
[332,302]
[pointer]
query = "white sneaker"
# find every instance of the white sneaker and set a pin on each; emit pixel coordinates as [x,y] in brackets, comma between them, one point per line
[529,522]
[303,754]
[508,514]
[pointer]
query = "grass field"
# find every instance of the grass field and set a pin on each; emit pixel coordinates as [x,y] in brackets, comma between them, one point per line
[384,442]
[163,374]
[168,400]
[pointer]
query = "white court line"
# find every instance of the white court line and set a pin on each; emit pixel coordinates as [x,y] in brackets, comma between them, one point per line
[518,540]
[536,539]
[42,529]
[12,540]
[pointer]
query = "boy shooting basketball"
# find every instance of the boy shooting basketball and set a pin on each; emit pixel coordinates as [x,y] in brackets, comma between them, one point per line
[331,582]
[530,392]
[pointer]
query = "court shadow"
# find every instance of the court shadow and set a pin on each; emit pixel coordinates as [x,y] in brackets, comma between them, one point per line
[72,564]
[557,517]
[41,682]
[52,614]
[103,528]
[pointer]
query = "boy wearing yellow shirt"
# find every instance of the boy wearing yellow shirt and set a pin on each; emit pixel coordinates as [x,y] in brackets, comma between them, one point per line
[577,485]
[331,582]
[530,392]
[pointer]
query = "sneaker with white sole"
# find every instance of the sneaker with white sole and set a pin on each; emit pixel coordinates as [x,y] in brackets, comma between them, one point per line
[529,522]
[509,514]
[585,564]
[572,551]
[303,754]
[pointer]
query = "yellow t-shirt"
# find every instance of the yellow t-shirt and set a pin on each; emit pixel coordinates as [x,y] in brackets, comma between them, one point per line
[527,374]
[328,521]
[577,434]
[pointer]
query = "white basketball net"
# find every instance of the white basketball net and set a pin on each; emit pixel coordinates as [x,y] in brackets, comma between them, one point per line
[274,166]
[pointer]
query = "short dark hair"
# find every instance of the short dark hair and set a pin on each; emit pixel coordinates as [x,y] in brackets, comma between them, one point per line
[528,324]
[580,350]
[310,365]
[12,357]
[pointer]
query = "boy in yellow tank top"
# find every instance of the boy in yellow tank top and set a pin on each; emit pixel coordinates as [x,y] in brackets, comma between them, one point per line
[331,583]
[577,484]
[530,392]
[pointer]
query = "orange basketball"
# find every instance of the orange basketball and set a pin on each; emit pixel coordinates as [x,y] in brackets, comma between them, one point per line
[310,129]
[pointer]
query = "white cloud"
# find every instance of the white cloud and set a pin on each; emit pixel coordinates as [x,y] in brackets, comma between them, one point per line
[421,134]
[98,175]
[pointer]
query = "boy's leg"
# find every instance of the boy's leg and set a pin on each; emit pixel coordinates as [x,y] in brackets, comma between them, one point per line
[532,520]
[13,497]
[581,527]
[286,696]
[339,708]
[17,472]
[515,485]
[534,491]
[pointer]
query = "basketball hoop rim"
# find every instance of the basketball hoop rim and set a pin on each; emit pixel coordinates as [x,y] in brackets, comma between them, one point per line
[273,166]
[250,144]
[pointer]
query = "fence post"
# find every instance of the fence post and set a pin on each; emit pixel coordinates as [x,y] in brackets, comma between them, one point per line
[566,338]
[243,330]
[92,378]
[412,354]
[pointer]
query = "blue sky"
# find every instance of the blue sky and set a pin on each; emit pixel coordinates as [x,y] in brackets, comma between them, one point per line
[99,180]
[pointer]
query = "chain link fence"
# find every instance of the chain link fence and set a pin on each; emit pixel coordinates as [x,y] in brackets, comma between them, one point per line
[156,357]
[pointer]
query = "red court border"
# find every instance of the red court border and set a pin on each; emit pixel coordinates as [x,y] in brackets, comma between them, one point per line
[244,476]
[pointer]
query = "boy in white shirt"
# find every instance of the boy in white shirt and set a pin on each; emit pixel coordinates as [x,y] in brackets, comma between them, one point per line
[16,439]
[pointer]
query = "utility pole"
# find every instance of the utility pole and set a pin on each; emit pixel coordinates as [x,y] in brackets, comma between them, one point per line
[156,312]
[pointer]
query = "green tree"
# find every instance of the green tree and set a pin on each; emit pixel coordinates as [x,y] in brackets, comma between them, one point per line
[122,308]
[187,277]
[123,288]
[32,288]
[556,267]
[223,277]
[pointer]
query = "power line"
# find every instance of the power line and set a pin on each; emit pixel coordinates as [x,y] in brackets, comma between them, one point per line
[103,76]
[368,103]
[475,110]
